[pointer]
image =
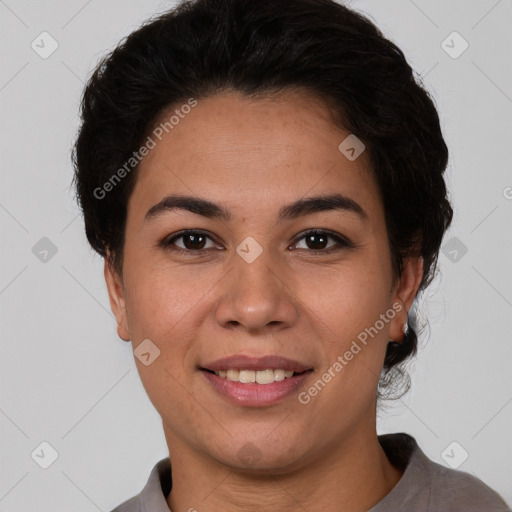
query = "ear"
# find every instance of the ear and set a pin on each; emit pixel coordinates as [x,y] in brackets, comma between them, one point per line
[404,295]
[115,289]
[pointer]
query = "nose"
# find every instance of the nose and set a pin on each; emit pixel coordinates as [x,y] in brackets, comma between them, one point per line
[257,296]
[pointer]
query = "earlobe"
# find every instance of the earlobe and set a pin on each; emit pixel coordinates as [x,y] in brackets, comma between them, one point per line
[115,290]
[408,285]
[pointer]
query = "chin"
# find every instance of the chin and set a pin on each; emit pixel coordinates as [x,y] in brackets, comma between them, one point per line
[262,458]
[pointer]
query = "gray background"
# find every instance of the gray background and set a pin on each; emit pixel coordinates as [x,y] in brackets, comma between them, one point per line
[67,379]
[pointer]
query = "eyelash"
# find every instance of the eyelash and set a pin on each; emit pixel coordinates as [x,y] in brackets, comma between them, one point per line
[342,242]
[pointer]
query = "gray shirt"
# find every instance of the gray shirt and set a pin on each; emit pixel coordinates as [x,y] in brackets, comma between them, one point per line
[425,485]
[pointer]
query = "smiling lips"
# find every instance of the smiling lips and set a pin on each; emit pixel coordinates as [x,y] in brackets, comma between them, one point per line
[249,376]
[255,363]
[255,381]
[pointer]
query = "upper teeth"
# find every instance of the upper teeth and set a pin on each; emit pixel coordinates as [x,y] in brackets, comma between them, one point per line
[260,376]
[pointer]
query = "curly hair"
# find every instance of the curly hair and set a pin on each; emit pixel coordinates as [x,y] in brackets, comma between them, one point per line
[205,47]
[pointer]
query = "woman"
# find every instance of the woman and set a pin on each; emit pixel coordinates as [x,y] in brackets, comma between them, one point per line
[265,183]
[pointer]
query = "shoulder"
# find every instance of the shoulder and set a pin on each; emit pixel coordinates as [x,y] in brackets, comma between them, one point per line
[454,490]
[427,486]
[131,505]
[152,498]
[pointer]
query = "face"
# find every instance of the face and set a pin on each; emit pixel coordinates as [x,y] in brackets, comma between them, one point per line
[257,286]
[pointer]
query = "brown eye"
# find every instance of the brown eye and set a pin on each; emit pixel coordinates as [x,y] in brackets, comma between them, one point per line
[192,241]
[317,241]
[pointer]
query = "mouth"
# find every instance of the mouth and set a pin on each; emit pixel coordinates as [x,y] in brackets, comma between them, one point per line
[255,381]
[267,376]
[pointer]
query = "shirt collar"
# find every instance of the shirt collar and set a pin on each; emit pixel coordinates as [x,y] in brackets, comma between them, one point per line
[153,497]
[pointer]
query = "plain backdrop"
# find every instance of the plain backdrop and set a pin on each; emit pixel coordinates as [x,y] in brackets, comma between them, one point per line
[66,379]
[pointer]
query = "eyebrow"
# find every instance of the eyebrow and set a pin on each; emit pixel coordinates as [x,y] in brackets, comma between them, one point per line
[210,210]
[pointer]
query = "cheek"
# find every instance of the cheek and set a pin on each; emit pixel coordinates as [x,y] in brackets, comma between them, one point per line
[346,298]
[160,306]
[347,310]
[160,297]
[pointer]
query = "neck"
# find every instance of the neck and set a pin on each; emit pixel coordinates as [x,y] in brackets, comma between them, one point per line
[354,474]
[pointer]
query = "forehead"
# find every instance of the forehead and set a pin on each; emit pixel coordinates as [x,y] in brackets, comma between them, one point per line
[238,148]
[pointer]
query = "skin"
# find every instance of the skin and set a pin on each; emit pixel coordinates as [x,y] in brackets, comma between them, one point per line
[253,156]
